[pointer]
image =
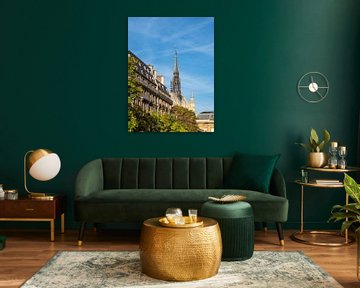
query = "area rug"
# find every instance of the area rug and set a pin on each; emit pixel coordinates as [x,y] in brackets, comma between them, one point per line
[80,269]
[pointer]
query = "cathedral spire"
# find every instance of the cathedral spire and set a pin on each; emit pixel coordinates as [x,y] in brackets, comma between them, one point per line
[175,85]
[176,66]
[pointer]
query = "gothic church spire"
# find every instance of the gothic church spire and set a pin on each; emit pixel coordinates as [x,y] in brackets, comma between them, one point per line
[176,67]
[175,85]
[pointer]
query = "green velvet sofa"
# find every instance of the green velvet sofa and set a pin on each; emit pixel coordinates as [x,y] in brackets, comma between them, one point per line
[130,190]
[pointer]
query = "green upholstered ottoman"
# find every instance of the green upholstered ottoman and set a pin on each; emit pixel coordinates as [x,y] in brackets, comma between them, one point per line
[236,221]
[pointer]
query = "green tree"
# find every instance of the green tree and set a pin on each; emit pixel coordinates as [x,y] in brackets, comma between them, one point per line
[134,87]
[134,90]
[169,123]
[185,118]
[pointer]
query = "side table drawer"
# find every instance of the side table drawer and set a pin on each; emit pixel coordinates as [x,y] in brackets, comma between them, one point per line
[31,209]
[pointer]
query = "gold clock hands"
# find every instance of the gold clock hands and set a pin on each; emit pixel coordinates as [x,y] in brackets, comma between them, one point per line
[313,83]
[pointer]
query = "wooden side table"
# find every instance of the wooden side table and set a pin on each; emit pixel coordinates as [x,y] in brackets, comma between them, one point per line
[26,209]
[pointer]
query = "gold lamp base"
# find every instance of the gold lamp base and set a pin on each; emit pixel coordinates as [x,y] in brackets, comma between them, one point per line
[41,196]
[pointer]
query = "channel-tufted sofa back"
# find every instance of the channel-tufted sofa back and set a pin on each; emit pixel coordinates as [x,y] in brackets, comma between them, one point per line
[160,173]
[164,173]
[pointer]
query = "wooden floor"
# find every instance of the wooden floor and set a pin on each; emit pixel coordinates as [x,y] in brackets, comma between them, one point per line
[28,250]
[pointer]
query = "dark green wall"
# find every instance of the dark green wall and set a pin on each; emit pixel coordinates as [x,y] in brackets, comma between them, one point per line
[63,85]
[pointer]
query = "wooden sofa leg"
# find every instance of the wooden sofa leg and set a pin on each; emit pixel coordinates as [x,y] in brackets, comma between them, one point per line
[81,233]
[265,227]
[280,233]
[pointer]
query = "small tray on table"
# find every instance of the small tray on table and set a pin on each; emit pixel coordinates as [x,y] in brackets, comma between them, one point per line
[188,224]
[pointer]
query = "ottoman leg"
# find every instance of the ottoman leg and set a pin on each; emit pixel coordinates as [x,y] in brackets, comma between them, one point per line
[81,233]
[95,227]
[265,227]
[280,233]
[2,242]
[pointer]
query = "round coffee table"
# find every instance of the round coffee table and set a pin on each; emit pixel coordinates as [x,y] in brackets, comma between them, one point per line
[180,254]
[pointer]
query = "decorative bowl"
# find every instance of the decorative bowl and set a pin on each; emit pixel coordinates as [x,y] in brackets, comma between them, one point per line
[228,198]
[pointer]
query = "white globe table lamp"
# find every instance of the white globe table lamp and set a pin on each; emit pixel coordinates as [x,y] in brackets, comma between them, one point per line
[43,165]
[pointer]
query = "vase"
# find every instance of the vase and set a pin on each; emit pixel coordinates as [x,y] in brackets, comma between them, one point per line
[317,159]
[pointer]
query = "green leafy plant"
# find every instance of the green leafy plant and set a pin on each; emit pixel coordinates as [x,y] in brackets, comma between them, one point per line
[314,144]
[349,214]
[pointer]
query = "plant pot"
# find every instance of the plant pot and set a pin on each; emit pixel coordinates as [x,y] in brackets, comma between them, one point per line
[317,159]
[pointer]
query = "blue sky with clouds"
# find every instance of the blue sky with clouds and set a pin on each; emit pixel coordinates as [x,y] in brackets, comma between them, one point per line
[154,40]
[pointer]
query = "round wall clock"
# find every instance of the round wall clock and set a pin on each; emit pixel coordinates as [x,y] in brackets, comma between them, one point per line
[313,87]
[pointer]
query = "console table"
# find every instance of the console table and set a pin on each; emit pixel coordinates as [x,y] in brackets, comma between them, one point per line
[297,235]
[27,209]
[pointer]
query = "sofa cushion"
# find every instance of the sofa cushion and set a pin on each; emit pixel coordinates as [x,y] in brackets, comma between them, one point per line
[266,206]
[251,172]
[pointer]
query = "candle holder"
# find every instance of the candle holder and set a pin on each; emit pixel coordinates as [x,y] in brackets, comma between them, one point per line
[333,149]
[304,176]
[342,153]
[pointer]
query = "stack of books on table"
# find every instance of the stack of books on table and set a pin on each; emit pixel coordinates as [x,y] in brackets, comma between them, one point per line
[327,181]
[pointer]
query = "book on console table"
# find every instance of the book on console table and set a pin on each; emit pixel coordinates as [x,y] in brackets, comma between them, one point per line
[327,181]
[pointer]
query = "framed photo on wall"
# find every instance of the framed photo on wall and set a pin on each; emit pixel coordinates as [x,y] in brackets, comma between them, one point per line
[171,74]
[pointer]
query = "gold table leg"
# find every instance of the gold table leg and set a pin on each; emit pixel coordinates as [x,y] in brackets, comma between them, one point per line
[63,223]
[52,230]
[302,210]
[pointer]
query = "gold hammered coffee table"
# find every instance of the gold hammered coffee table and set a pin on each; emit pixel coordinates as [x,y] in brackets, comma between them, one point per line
[180,254]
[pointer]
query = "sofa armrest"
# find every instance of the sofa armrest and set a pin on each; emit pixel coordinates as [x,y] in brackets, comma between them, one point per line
[277,184]
[89,179]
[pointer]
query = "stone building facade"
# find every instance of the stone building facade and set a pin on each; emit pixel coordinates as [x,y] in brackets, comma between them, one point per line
[155,96]
[205,121]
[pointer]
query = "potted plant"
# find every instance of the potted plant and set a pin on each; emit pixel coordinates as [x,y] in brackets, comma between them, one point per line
[350,213]
[317,157]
